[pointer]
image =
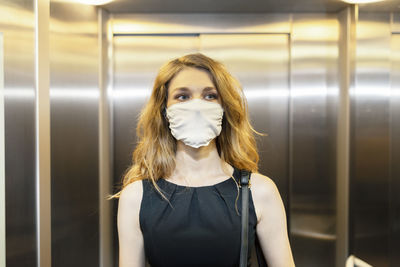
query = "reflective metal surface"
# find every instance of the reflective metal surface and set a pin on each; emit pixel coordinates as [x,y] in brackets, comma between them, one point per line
[2,164]
[17,23]
[346,62]
[106,219]
[227,6]
[395,22]
[314,92]
[42,125]
[394,243]
[74,134]
[370,141]
[200,23]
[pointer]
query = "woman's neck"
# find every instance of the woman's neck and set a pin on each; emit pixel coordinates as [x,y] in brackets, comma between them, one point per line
[199,166]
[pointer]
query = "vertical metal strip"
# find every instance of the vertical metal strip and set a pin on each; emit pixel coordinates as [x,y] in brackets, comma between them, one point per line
[105,144]
[2,164]
[347,42]
[290,134]
[394,121]
[395,23]
[42,125]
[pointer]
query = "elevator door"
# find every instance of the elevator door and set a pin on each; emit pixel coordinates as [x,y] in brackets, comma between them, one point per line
[259,61]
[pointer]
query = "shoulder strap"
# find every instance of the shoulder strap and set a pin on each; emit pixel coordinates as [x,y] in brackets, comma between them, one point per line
[244,183]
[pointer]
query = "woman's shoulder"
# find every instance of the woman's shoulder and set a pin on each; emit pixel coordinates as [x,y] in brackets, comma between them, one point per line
[263,184]
[264,192]
[132,193]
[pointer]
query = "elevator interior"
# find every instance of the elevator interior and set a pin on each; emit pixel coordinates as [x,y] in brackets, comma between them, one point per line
[322,80]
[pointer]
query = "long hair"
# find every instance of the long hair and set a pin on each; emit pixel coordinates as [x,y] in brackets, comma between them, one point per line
[154,155]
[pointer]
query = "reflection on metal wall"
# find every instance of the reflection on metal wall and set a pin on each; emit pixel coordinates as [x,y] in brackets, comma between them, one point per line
[314,51]
[19,104]
[370,140]
[106,154]
[394,242]
[74,135]
[2,164]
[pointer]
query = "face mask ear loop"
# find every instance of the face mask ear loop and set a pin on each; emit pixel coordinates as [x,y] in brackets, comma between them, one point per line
[164,113]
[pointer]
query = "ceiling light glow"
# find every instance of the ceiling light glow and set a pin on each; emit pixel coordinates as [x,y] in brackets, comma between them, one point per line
[361,1]
[86,2]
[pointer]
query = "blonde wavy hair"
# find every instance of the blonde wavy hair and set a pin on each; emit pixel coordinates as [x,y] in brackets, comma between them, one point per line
[154,155]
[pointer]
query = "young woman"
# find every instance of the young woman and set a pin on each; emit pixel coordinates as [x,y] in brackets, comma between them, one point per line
[180,202]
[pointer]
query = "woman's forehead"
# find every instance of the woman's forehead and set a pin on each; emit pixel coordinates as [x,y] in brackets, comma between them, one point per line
[191,78]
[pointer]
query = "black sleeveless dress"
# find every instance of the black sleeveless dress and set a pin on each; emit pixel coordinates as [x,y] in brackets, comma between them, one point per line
[202,228]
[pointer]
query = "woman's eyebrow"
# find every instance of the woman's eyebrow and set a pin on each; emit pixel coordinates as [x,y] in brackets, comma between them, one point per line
[208,88]
[180,89]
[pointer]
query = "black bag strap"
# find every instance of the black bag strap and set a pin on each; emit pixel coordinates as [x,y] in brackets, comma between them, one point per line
[244,184]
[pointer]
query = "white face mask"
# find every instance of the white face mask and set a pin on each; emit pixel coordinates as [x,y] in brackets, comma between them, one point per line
[195,122]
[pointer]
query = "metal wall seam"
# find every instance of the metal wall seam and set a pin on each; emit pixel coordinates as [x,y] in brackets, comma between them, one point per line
[2,163]
[42,121]
[347,20]
[105,144]
[395,22]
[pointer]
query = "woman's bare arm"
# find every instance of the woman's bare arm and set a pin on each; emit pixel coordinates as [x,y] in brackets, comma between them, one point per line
[272,226]
[131,247]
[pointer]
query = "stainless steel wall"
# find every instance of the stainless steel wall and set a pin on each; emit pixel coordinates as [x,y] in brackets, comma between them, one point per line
[74,90]
[17,23]
[370,141]
[394,201]
[314,93]
[374,142]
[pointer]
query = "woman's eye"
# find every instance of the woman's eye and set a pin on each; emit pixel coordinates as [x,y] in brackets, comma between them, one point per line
[185,96]
[179,96]
[214,96]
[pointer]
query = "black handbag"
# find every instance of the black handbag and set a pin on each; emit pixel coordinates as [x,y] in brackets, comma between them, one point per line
[244,184]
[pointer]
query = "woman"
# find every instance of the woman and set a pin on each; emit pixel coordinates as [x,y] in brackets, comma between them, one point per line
[179,201]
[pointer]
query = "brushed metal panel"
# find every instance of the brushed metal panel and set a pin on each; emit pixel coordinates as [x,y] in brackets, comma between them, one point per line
[2,163]
[42,122]
[74,63]
[370,135]
[201,23]
[261,63]
[227,6]
[395,22]
[314,90]
[105,142]
[346,61]
[17,23]
[395,152]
